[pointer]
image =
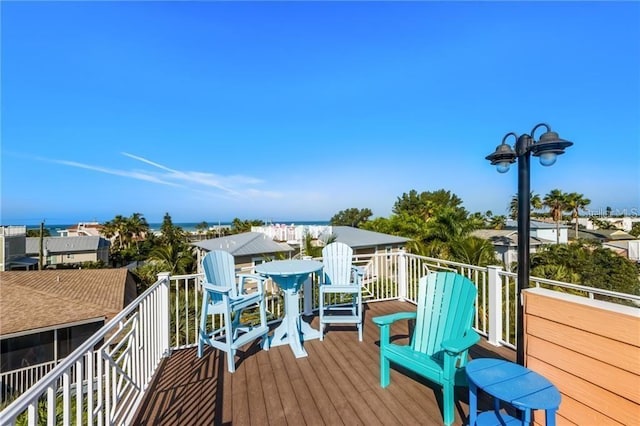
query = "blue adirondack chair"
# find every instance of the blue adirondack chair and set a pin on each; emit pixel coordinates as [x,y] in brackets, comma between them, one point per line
[225,292]
[339,275]
[438,348]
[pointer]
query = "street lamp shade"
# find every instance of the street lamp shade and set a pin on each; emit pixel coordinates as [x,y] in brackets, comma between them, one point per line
[503,157]
[549,147]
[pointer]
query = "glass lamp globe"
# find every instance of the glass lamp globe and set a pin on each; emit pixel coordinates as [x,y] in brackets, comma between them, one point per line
[503,166]
[548,158]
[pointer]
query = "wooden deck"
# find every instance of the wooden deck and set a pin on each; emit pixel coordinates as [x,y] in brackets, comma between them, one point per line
[338,383]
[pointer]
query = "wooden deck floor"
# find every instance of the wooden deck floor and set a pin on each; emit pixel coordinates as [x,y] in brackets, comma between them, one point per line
[338,383]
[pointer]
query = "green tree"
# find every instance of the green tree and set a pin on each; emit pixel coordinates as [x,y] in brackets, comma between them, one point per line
[426,204]
[586,263]
[556,201]
[351,217]
[535,203]
[576,202]
[171,234]
[202,227]
[239,226]
[473,251]
[635,229]
[498,222]
[36,233]
[176,259]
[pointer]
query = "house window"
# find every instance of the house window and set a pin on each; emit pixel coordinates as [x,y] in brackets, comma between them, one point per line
[24,351]
[69,256]
[70,338]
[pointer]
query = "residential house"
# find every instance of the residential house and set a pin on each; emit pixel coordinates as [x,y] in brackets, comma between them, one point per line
[543,230]
[621,242]
[505,243]
[248,248]
[363,241]
[13,249]
[69,250]
[83,229]
[45,315]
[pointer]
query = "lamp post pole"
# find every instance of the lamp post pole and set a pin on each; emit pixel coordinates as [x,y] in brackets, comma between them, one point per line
[547,149]
[524,217]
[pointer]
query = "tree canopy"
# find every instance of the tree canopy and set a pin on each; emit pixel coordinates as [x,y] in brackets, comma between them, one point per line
[351,217]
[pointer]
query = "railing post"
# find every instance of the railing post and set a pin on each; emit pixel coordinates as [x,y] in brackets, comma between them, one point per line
[166,315]
[495,305]
[402,275]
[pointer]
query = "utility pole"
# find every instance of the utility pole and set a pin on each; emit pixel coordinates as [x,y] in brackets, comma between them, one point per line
[40,261]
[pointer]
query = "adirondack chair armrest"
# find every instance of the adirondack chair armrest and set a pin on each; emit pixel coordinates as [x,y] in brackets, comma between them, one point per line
[391,318]
[216,288]
[455,346]
[258,278]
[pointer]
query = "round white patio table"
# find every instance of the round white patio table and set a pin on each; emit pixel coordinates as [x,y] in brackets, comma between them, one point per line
[289,275]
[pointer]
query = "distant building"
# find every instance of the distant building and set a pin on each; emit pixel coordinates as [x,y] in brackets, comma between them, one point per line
[505,243]
[83,229]
[69,250]
[624,223]
[543,231]
[363,241]
[13,249]
[248,248]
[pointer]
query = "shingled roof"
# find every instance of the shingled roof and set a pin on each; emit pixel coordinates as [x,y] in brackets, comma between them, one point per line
[358,238]
[245,244]
[33,300]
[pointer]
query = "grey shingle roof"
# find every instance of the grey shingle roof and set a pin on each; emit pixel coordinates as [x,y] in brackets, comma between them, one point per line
[358,238]
[506,237]
[65,244]
[245,244]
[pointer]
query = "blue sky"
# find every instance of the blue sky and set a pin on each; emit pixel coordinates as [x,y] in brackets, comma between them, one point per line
[297,110]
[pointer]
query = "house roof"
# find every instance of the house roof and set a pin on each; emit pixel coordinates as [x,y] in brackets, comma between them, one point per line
[358,238]
[533,224]
[245,244]
[608,234]
[506,237]
[66,244]
[32,300]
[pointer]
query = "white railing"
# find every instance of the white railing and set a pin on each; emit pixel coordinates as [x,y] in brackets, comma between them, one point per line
[104,389]
[166,318]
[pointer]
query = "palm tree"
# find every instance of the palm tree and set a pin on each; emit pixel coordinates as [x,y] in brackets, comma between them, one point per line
[576,202]
[173,259]
[556,201]
[535,203]
[137,228]
[498,222]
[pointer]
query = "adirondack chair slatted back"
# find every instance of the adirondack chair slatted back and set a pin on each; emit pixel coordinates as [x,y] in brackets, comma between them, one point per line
[219,269]
[337,258]
[445,310]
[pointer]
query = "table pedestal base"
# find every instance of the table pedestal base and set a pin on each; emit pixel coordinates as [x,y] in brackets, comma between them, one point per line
[293,330]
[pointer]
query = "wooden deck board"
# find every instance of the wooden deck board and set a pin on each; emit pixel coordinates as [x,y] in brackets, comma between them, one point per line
[338,383]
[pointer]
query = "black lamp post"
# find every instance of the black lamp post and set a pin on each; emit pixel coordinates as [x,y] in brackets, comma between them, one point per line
[548,147]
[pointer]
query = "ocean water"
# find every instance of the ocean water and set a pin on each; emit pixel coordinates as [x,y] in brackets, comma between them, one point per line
[187,226]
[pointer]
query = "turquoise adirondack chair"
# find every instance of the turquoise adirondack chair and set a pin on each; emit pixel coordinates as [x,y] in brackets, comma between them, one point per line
[225,292]
[438,349]
[339,275]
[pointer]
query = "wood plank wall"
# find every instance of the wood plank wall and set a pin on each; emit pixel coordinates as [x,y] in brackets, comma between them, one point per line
[591,351]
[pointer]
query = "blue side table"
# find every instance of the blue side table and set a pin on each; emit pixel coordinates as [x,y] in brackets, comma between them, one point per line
[514,384]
